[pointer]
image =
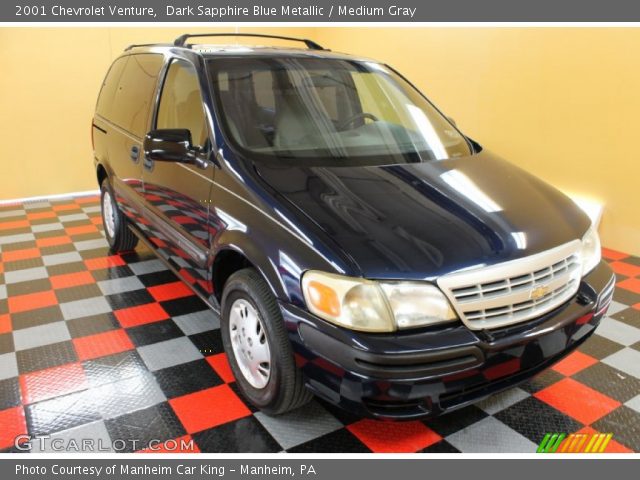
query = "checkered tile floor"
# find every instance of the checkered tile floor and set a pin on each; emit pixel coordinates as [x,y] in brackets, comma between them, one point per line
[109,348]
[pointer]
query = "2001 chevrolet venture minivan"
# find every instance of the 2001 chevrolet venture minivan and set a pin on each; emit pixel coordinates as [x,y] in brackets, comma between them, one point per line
[357,245]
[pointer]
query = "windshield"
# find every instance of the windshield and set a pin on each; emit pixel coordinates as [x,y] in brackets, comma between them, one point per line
[310,111]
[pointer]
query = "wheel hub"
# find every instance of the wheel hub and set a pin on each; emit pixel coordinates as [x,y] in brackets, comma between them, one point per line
[249,343]
[109,214]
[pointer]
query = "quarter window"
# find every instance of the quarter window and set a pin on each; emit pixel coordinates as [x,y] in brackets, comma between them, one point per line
[181,102]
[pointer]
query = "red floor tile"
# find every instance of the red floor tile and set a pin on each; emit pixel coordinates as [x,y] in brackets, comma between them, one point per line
[612,447]
[5,324]
[637,306]
[631,284]
[53,241]
[220,364]
[394,437]
[14,224]
[170,291]
[20,254]
[65,207]
[52,382]
[81,230]
[184,444]
[97,220]
[71,280]
[574,363]
[609,254]
[12,424]
[31,301]
[102,344]
[577,400]
[625,269]
[104,262]
[134,316]
[40,215]
[87,199]
[208,408]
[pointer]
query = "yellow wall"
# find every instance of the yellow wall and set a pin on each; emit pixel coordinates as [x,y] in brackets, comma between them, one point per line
[563,103]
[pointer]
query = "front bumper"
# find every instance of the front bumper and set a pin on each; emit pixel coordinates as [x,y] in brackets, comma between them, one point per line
[406,375]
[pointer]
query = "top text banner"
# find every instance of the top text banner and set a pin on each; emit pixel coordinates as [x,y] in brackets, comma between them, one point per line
[216,11]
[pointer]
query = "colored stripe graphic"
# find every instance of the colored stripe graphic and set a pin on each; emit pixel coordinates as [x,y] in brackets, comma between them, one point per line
[574,442]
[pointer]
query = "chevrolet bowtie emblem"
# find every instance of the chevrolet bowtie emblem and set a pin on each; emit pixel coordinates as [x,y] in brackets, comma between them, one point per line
[538,292]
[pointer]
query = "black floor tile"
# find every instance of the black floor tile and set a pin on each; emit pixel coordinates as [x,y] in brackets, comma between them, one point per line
[182,306]
[131,299]
[246,435]
[6,343]
[154,332]
[187,378]
[441,447]
[47,356]
[137,429]
[81,292]
[34,318]
[92,325]
[624,423]
[543,380]
[455,421]
[340,441]
[630,316]
[112,368]
[534,419]
[599,347]
[616,384]
[32,286]
[209,342]
[61,413]
[9,393]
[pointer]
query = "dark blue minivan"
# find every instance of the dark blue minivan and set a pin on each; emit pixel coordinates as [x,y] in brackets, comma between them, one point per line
[355,243]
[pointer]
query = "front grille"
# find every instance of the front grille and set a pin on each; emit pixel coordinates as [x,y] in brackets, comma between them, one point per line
[515,291]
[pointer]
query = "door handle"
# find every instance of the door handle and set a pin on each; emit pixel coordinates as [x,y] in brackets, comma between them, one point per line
[134,153]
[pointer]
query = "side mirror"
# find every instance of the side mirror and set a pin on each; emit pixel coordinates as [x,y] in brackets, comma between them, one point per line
[169,145]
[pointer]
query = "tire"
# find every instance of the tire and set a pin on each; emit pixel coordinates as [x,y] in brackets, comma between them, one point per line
[284,388]
[118,233]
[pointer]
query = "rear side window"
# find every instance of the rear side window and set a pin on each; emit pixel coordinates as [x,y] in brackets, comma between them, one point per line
[134,94]
[109,86]
[181,102]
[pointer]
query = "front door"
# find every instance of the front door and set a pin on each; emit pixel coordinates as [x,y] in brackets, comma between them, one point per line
[177,194]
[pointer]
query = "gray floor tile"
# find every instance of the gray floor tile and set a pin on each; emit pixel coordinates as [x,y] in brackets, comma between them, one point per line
[626,360]
[8,366]
[64,441]
[634,403]
[47,227]
[127,396]
[60,258]
[12,213]
[300,426]
[615,307]
[74,217]
[169,353]
[85,308]
[22,237]
[91,244]
[618,331]
[120,285]
[42,335]
[25,275]
[490,435]
[3,292]
[148,266]
[197,322]
[37,204]
[499,402]
[91,209]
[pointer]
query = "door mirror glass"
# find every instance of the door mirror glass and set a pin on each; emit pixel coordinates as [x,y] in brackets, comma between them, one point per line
[169,145]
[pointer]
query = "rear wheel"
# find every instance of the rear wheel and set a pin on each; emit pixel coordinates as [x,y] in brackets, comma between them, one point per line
[257,345]
[116,228]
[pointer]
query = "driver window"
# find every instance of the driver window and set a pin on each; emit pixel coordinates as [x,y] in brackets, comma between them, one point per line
[181,103]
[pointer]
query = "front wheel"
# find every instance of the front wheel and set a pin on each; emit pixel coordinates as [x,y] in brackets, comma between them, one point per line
[116,228]
[256,343]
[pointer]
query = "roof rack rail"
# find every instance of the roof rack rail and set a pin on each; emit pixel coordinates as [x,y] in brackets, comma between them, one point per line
[148,45]
[181,41]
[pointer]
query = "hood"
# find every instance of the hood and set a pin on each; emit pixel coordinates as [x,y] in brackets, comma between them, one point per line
[422,220]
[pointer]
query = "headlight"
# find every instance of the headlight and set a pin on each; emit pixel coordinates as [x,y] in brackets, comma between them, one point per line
[371,306]
[591,251]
